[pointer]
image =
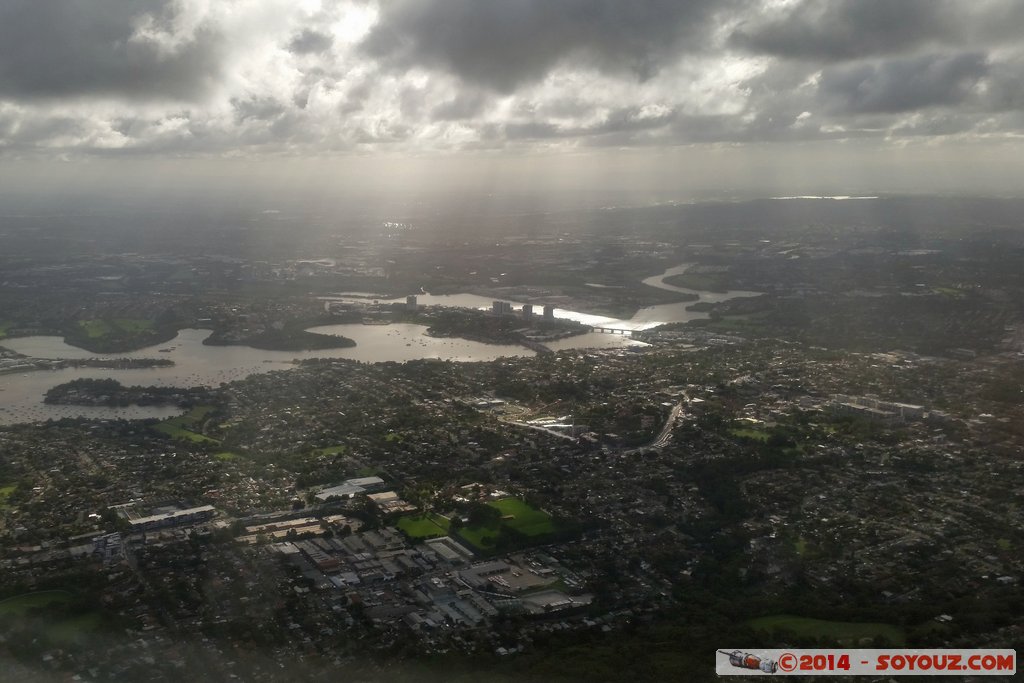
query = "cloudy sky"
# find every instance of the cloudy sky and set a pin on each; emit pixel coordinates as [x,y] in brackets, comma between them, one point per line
[651,84]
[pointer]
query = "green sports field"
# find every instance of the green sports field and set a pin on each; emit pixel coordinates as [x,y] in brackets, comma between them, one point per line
[430,526]
[20,604]
[55,626]
[525,519]
[748,433]
[178,427]
[516,515]
[5,493]
[99,328]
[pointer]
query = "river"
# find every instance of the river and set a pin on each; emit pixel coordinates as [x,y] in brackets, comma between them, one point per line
[644,319]
[21,394]
[196,364]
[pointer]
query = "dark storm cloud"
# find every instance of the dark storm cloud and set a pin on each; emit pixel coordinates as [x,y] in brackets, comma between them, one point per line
[1004,89]
[249,76]
[901,85]
[310,42]
[503,44]
[839,30]
[832,30]
[59,48]
[356,97]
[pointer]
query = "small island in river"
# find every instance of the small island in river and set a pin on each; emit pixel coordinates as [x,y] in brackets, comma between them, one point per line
[279,340]
[111,393]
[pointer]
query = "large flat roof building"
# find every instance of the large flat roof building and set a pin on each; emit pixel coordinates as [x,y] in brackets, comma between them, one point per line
[351,488]
[450,550]
[173,518]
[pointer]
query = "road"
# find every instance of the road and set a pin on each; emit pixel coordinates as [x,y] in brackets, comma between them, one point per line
[665,435]
[552,432]
[660,441]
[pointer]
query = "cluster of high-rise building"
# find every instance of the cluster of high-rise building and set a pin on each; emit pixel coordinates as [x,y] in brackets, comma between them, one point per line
[505,308]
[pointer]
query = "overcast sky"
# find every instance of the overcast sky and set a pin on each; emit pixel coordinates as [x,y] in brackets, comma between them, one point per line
[652,85]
